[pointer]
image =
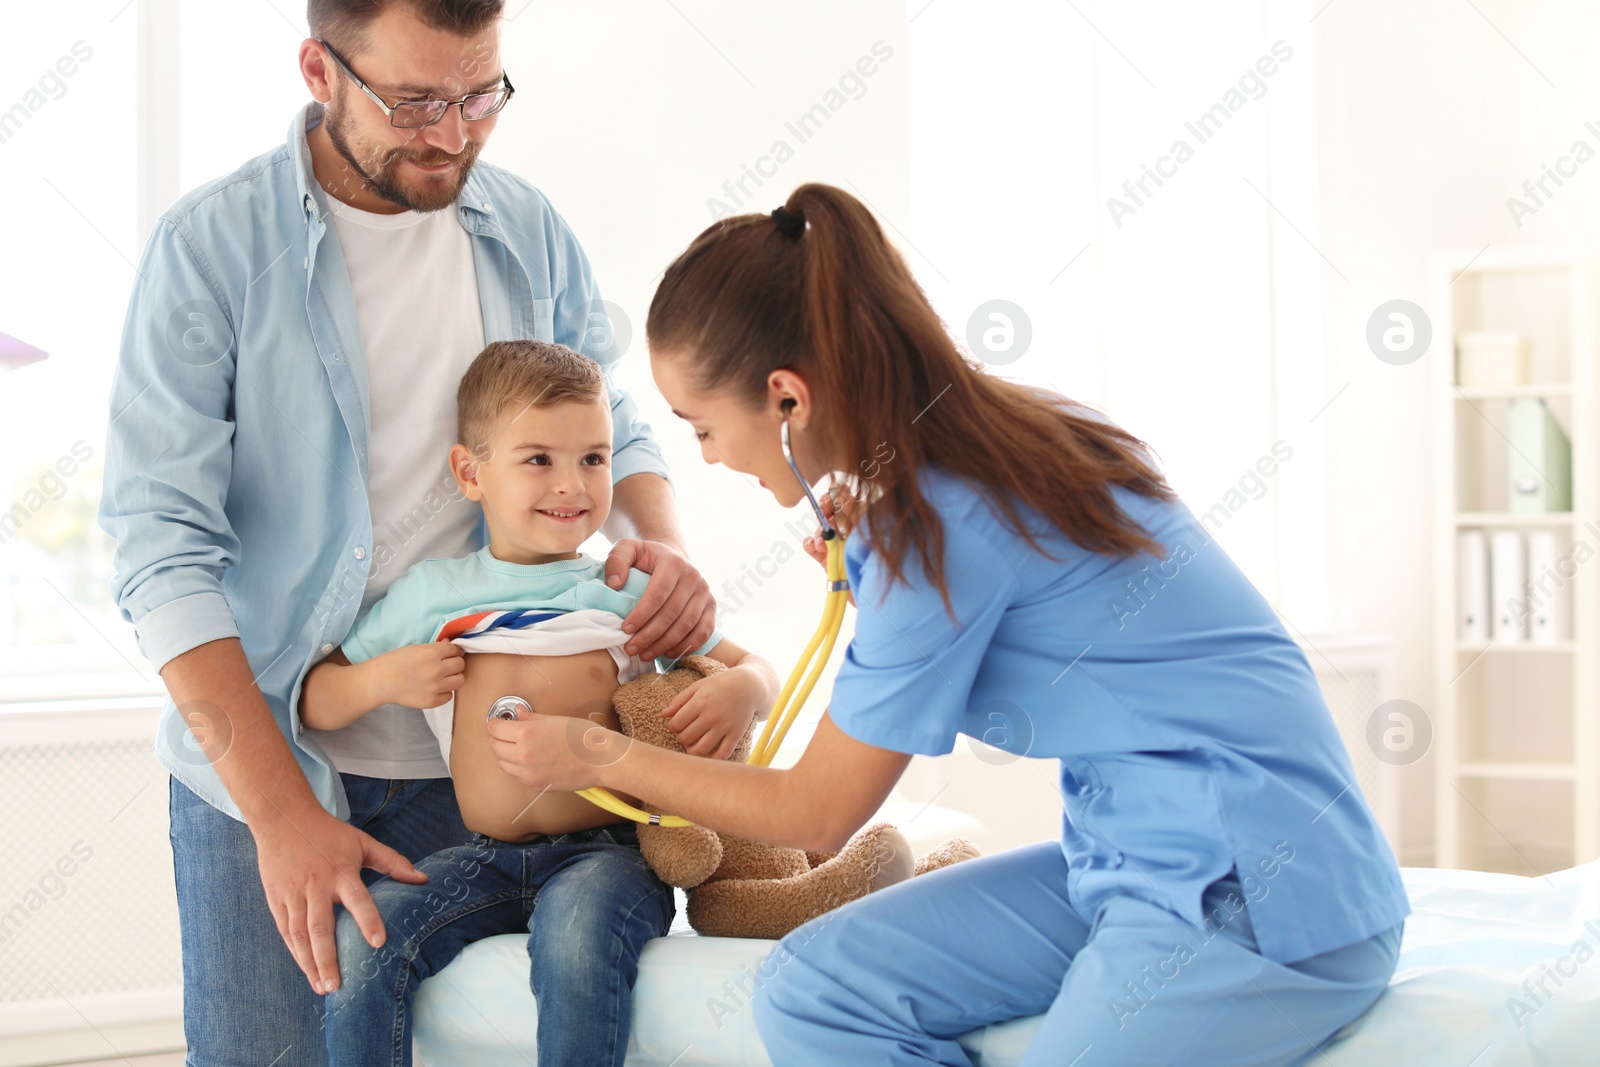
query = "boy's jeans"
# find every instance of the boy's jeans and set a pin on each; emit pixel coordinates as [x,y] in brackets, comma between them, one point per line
[245,1001]
[588,902]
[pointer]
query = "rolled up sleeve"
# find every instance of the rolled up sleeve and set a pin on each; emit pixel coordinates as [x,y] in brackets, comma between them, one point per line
[169,454]
[584,323]
[908,673]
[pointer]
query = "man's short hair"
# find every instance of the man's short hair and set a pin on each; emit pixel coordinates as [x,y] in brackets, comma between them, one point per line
[343,23]
[512,375]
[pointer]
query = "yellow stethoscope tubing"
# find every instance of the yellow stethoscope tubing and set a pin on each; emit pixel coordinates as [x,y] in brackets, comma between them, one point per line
[784,712]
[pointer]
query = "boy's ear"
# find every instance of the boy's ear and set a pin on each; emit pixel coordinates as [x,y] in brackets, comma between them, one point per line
[464,466]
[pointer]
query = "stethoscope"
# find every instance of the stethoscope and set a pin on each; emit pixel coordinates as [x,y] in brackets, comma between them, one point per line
[812,661]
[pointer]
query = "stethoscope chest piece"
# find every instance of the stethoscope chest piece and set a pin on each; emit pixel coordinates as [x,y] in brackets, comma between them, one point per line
[507,708]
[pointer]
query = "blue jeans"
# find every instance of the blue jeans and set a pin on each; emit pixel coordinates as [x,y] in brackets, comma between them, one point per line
[245,1001]
[588,902]
[896,977]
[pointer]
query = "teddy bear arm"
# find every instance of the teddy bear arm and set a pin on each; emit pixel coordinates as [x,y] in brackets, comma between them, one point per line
[877,856]
[683,856]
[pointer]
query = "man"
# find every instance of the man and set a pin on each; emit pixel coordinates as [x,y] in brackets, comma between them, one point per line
[281,416]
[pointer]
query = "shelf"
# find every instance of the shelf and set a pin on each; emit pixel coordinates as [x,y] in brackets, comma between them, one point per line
[1478,647]
[1524,770]
[1507,259]
[1516,728]
[1513,518]
[1508,392]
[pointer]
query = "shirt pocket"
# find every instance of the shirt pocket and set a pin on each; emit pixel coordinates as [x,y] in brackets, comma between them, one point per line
[1079,779]
[544,318]
[1082,835]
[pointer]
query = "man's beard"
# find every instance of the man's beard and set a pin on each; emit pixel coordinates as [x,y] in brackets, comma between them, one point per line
[385,180]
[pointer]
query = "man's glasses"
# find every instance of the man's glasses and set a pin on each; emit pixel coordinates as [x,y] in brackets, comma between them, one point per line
[415,114]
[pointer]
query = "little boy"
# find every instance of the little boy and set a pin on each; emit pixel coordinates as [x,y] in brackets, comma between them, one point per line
[534,430]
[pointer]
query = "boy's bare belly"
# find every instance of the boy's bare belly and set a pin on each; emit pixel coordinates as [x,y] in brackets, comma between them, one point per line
[494,803]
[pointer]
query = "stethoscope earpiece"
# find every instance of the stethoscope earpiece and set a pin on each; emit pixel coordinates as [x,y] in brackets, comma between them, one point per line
[828,531]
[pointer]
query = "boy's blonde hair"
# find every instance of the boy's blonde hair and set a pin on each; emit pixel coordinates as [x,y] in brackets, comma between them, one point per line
[526,373]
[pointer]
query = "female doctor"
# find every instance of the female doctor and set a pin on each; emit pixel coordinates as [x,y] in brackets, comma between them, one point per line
[1221,893]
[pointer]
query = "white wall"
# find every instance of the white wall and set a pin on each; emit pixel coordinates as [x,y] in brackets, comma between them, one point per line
[1187,310]
[1191,318]
[632,124]
[1432,113]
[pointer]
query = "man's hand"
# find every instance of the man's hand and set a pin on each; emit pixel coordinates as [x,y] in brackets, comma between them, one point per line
[308,861]
[677,613]
[420,676]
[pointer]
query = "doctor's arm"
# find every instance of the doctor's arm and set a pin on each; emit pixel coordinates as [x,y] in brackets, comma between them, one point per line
[906,680]
[830,792]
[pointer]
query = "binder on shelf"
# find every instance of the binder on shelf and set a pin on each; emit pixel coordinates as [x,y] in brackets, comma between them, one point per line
[1472,604]
[1540,458]
[1549,594]
[1508,586]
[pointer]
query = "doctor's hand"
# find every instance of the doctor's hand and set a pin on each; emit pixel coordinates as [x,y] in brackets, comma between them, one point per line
[677,612]
[815,546]
[560,752]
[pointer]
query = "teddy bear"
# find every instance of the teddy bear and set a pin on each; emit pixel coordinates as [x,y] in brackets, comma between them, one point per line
[741,888]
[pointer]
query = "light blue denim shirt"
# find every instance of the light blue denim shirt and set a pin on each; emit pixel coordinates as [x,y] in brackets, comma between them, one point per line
[236,457]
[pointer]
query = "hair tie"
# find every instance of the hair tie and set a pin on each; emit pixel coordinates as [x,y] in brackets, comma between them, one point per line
[789,224]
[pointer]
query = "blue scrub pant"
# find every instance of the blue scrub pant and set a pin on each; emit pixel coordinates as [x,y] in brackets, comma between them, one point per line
[896,977]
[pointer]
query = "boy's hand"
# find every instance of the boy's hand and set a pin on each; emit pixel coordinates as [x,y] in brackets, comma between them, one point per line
[711,714]
[421,676]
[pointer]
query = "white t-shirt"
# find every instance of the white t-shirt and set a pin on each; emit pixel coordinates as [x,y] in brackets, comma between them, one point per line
[416,295]
[566,635]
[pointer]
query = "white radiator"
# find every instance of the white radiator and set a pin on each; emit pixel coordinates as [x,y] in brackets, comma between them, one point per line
[1356,675]
[89,951]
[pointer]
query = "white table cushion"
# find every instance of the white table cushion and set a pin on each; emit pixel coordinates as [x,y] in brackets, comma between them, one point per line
[1469,944]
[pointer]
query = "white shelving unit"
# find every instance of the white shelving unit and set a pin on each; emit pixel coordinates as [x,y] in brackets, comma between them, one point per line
[1517,726]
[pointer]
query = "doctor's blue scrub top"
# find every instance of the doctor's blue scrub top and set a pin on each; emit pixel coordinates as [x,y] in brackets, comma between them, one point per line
[1192,736]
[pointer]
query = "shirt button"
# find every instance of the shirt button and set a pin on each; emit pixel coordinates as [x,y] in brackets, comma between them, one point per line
[326,649]
[361,552]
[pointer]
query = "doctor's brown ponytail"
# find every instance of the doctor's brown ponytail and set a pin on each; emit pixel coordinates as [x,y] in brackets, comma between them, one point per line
[816,287]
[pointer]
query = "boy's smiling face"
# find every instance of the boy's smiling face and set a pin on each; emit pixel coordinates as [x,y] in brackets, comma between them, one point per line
[544,480]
